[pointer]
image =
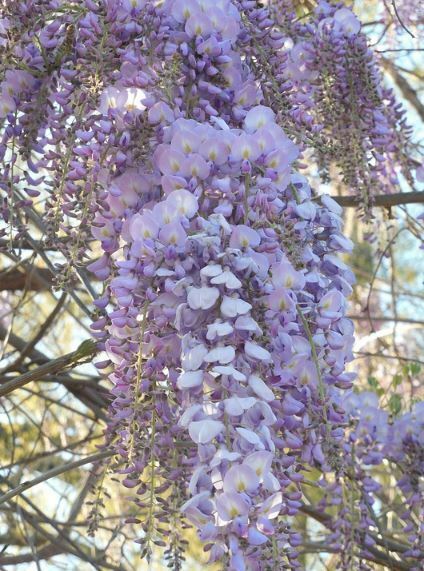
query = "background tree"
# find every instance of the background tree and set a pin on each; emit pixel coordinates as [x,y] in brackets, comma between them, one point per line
[89,99]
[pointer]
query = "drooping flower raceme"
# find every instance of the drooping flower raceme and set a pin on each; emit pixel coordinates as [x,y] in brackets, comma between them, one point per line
[221,286]
[247,298]
[222,312]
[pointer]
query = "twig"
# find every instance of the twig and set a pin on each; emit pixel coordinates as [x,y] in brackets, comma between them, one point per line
[54,472]
[384,200]
[92,399]
[86,349]
[408,93]
[364,354]
[400,20]
[40,334]
[394,319]
[41,455]
[408,50]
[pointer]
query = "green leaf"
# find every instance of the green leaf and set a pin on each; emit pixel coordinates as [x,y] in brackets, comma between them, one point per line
[415,368]
[395,404]
[373,383]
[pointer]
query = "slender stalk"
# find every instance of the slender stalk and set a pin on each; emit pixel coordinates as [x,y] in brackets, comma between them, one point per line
[53,473]
[85,350]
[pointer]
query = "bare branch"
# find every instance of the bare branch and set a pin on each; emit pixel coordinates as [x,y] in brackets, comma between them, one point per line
[409,94]
[86,350]
[393,319]
[385,200]
[44,553]
[93,399]
[400,20]
[39,280]
[48,322]
[53,473]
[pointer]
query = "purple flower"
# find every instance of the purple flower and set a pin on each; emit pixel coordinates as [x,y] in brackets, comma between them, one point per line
[203,431]
[231,505]
[241,478]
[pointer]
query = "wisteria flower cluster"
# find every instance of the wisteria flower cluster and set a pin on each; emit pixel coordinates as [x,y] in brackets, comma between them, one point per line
[225,273]
[222,315]
[376,438]
[327,81]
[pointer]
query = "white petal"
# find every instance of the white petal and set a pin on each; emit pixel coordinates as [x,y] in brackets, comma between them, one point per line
[247,323]
[193,358]
[256,352]
[242,263]
[200,471]
[202,297]
[183,201]
[228,279]
[258,117]
[203,431]
[190,379]
[211,271]
[231,372]
[251,437]
[269,416]
[194,501]
[187,416]
[216,477]
[164,272]
[236,405]
[218,330]
[180,286]
[221,355]
[266,436]
[211,408]
[331,204]
[223,454]
[248,402]
[233,306]
[233,406]
[260,388]
[271,483]
[272,506]
[220,221]
[220,122]
[260,462]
